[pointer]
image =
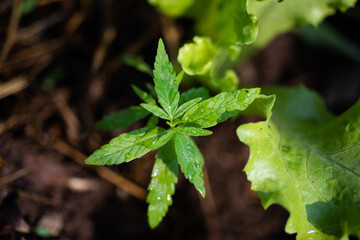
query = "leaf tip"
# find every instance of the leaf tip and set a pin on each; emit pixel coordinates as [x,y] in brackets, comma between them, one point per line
[153,219]
[202,191]
[153,224]
[161,44]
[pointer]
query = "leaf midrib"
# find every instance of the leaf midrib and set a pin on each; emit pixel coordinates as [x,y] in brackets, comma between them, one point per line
[137,142]
[215,109]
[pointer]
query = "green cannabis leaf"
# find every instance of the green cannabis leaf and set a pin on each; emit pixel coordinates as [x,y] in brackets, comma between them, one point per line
[157,111]
[191,161]
[129,146]
[217,109]
[186,114]
[307,160]
[194,131]
[166,85]
[162,185]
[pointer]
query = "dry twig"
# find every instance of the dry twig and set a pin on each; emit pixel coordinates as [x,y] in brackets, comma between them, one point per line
[71,121]
[13,86]
[103,172]
[14,176]
[109,35]
[11,31]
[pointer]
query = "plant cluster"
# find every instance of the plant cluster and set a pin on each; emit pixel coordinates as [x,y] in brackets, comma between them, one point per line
[301,157]
[188,114]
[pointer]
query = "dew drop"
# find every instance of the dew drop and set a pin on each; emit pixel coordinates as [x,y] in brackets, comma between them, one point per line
[156,173]
[311,232]
[202,192]
[128,155]
[202,110]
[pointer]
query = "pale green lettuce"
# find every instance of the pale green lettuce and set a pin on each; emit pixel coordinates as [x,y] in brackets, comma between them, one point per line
[209,62]
[307,160]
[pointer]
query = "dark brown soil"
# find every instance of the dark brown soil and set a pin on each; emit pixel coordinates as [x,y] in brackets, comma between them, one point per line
[69,55]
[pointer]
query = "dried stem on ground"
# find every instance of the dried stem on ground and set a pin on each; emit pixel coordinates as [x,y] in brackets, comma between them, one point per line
[11,31]
[103,172]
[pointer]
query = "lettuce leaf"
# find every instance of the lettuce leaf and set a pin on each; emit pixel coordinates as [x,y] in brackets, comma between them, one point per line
[277,17]
[307,160]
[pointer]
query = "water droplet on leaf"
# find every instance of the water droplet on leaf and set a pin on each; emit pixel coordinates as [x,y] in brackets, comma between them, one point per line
[156,173]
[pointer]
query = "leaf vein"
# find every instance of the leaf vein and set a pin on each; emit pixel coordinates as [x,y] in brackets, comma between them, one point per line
[134,144]
[283,158]
[343,150]
[310,180]
[307,145]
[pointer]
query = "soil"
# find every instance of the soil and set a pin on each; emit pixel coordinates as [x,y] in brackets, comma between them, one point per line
[65,69]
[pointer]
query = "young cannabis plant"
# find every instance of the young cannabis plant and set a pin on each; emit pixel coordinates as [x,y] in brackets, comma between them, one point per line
[187,115]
